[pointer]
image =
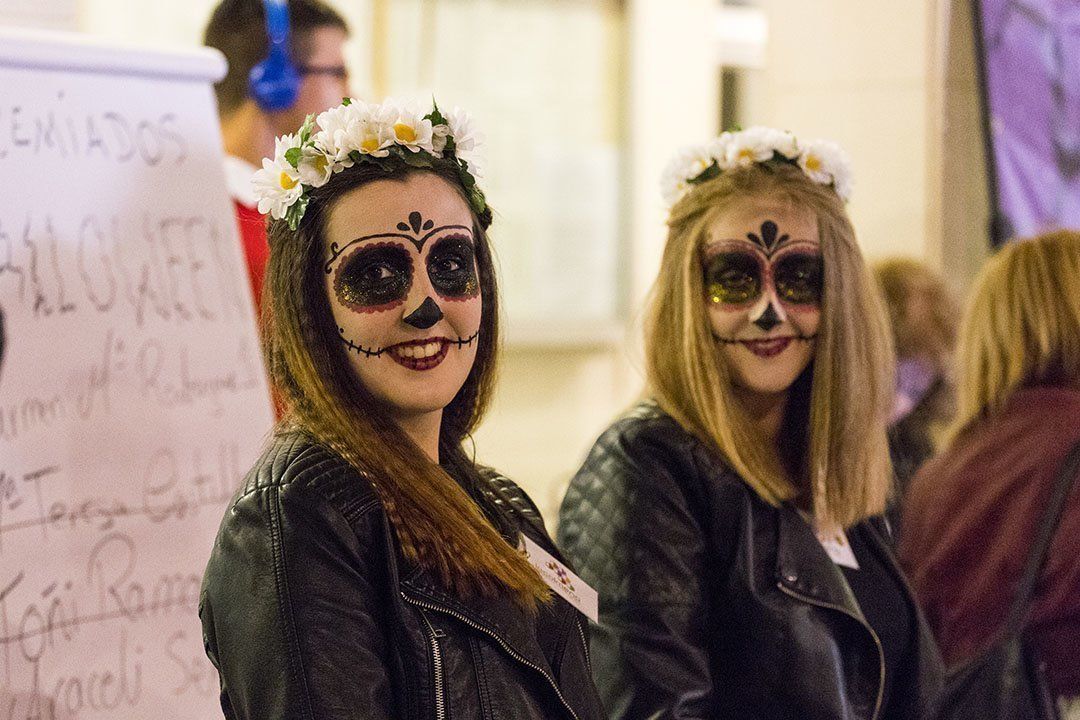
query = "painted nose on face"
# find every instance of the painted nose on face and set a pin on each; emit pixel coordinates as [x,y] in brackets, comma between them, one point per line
[425,316]
[768,319]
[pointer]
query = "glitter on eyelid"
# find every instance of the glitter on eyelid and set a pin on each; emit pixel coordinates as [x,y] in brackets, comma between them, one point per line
[357,295]
[462,284]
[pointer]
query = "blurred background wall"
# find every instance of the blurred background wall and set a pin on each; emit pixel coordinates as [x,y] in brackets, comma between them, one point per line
[583,101]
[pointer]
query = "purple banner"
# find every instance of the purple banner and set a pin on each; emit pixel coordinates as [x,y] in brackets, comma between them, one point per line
[1033,90]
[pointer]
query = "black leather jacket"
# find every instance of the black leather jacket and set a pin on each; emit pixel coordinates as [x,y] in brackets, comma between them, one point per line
[309,611]
[715,604]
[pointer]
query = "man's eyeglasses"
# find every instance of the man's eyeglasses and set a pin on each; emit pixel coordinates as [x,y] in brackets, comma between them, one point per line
[336,71]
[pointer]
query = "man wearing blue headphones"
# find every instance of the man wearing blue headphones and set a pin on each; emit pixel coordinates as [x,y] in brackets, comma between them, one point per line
[286,59]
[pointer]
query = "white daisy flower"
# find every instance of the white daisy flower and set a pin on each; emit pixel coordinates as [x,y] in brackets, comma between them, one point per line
[781,141]
[757,144]
[687,164]
[826,163]
[278,184]
[717,149]
[411,130]
[844,185]
[335,125]
[370,137]
[315,166]
[466,137]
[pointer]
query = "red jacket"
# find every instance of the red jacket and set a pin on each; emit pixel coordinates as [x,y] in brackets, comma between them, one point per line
[252,226]
[970,518]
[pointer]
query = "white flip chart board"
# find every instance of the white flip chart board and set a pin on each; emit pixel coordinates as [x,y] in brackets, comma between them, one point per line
[132,393]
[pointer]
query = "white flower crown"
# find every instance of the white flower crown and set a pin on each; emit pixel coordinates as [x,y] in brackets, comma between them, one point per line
[387,135]
[822,161]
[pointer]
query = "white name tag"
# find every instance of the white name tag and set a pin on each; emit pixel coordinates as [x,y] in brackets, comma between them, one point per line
[837,546]
[566,584]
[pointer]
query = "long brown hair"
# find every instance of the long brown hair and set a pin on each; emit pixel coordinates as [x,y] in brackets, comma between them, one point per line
[436,522]
[1022,325]
[835,459]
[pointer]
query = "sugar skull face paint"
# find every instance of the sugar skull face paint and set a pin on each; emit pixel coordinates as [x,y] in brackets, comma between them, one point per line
[763,278]
[404,289]
[376,276]
[451,265]
[736,277]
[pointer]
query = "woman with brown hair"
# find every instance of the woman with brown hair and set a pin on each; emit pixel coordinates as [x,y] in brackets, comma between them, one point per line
[972,514]
[728,520]
[368,567]
[923,317]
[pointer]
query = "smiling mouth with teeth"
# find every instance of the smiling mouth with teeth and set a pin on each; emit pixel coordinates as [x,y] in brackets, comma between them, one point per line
[415,354]
[420,354]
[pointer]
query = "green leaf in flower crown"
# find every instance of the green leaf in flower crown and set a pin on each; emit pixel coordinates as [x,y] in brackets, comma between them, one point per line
[306,128]
[386,164]
[436,116]
[707,174]
[292,156]
[417,159]
[467,178]
[346,101]
[296,212]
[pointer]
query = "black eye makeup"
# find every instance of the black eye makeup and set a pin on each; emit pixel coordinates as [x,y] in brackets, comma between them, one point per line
[732,278]
[799,278]
[375,277]
[736,277]
[451,265]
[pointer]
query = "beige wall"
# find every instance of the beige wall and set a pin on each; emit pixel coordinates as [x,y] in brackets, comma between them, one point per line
[957,196]
[856,71]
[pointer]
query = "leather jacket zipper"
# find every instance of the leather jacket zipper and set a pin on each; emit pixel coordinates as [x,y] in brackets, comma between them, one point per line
[502,643]
[437,662]
[584,644]
[856,618]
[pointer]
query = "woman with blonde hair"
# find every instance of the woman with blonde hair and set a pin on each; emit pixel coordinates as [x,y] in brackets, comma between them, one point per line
[368,567]
[728,520]
[972,514]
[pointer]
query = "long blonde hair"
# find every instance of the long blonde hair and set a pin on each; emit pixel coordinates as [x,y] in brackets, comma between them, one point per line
[437,524]
[839,406]
[1022,325]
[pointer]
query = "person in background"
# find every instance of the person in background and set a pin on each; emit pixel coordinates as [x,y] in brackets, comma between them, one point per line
[729,522]
[369,567]
[923,316]
[238,29]
[971,514]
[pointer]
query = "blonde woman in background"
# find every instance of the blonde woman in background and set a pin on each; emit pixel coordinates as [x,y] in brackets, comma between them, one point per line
[971,514]
[923,315]
[728,521]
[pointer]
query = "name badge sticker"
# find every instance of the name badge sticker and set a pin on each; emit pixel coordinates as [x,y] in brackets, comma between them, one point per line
[559,578]
[839,550]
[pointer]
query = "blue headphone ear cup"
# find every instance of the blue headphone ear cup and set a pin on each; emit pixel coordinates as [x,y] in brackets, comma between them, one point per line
[274,83]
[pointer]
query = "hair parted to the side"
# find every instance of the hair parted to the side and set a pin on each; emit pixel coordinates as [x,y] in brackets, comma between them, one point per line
[238,29]
[436,522]
[1021,327]
[834,460]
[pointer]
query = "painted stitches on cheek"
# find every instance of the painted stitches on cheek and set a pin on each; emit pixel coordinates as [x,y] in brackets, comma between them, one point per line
[451,265]
[374,278]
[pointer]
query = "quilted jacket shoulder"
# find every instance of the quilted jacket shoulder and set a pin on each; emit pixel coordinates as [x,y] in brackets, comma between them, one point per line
[294,462]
